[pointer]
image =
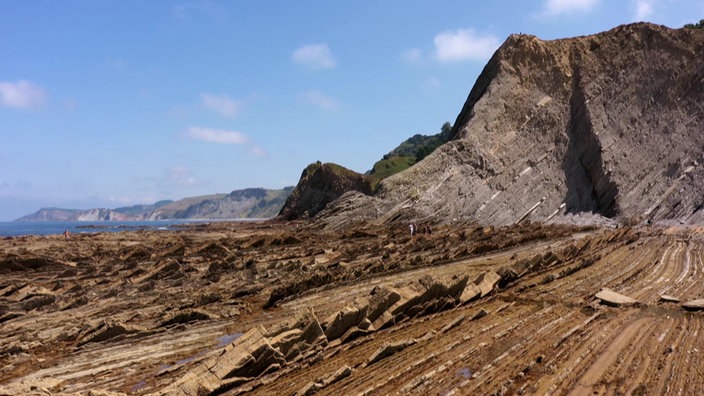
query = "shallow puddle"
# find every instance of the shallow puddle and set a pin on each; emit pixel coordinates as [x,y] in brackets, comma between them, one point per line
[227,339]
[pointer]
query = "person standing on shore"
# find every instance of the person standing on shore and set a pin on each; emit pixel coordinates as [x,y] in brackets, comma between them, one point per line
[67,234]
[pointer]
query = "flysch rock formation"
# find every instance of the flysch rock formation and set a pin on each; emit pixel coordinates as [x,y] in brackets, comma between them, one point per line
[606,126]
[287,308]
[319,185]
[261,351]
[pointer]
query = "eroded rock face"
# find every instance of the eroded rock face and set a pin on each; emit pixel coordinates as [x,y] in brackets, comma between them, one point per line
[607,124]
[319,185]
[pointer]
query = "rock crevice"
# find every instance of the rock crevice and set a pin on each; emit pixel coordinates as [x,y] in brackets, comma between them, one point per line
[589,188]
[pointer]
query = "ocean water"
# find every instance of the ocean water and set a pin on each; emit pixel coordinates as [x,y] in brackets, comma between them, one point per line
[16,228]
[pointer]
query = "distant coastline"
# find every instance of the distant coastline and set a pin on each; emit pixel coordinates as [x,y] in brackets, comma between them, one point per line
[249,203]
[22,228]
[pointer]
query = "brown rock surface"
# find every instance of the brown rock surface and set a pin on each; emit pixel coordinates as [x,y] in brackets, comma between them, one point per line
[319,185]
[600,126]
[525,336]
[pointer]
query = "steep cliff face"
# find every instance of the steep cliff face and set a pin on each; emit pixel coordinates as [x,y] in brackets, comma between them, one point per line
[321,184]
[609,124]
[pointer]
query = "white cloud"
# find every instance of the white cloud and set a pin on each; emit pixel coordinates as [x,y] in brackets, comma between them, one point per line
[221,104]
[644,10]
[314,56]
[464,44]
[21,94]
[214,136]
[217,135]
[557,7]
[413,55]
[258,151]
[318,99]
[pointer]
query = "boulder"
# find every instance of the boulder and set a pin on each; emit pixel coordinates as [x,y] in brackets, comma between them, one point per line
[381,298]
[694,305]
[611,298]
[296,339]
[391,316]
[250,356]
[286,340]
[337,324]
[486,282]
[470,293]
[667,298]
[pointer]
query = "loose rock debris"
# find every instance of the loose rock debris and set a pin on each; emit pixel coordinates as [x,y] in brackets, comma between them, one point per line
[393,317]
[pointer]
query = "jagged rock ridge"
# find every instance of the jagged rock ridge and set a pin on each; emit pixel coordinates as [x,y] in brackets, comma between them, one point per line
[608,124]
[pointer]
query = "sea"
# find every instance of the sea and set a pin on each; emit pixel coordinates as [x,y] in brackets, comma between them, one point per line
[18,228]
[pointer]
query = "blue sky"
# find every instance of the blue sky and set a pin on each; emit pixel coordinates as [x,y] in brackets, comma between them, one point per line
[115,103]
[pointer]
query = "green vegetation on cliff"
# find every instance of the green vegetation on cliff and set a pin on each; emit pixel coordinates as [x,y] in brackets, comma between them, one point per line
[698,25]
[321,183]
[411,151]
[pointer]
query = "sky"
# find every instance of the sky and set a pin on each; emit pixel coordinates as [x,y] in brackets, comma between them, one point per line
[113,103]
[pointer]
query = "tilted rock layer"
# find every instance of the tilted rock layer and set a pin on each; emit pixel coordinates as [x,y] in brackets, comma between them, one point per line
[609,124]
[319,185]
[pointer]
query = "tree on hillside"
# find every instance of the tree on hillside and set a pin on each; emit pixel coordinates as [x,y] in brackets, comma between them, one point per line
[698,25]
[446,131]
[430,143]
[410,151]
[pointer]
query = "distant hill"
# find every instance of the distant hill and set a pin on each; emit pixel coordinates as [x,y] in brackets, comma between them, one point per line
[239,204]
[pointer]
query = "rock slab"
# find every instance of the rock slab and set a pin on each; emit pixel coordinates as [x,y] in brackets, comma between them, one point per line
[694,305]
[611,298]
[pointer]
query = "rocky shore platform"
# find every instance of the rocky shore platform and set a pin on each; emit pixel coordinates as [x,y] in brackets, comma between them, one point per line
[290,309]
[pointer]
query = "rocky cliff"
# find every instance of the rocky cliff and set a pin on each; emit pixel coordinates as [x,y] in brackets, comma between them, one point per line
[607,125]
[239,204]
[321,184]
